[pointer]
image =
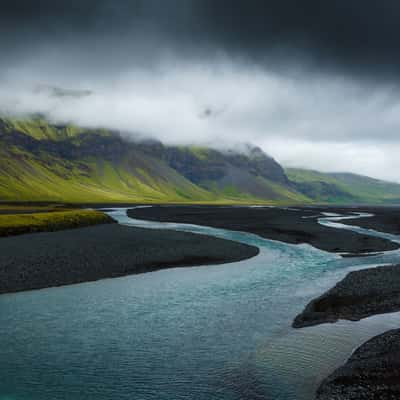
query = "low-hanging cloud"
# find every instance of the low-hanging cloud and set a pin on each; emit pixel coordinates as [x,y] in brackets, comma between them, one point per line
[288,115]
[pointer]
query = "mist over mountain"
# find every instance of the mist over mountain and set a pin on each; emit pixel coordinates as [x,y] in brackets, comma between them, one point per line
[316,86]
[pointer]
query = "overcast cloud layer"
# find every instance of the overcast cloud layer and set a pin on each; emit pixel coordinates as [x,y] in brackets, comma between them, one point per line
[315,84]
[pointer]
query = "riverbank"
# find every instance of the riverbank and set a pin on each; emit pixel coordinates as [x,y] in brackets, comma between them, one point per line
[360,294]
[40,260]
[372,372]
[288,225]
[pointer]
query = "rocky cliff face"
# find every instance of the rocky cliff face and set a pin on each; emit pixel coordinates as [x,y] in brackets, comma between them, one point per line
[250,171]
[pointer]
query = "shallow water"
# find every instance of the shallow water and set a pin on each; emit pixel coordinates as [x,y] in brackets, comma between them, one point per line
[211,332]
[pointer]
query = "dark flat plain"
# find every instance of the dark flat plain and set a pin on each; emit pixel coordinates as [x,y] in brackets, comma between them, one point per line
[385,219]
[295,226]
[40,260]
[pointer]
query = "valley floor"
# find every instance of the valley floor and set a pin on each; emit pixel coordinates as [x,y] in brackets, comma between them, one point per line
[34,261]
[373,371]
[290,225]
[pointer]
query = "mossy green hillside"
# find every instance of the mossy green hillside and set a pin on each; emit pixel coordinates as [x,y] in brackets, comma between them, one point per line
[25,177]
[72,164]
[45,162]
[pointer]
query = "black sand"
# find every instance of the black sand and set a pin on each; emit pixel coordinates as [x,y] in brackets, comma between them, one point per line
[359,295]
[371,373]
[40,260]
[286,225]
[385,219]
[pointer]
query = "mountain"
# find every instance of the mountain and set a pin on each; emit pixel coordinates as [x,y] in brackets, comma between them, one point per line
[343,187]
[41,161]
[230,174]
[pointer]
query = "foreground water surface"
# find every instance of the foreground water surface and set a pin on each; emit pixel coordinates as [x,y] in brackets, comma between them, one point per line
[210,332]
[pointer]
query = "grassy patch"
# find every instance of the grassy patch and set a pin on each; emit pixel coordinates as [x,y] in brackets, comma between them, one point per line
[16,224]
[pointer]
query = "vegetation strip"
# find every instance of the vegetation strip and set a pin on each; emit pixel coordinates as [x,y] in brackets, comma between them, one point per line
[16,224]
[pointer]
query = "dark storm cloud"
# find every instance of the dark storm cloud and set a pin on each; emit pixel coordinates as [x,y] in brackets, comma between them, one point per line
[315,83]
[361,35]
[39,19]
[356,33]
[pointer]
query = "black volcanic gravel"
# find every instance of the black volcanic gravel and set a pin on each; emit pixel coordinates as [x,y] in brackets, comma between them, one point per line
[371,373]
[40,260]
[286,225]
[359,295]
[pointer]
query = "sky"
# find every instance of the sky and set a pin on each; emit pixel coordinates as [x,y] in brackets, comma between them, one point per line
[315,84]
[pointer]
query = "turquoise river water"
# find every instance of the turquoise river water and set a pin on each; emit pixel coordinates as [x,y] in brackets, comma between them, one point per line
[212,332]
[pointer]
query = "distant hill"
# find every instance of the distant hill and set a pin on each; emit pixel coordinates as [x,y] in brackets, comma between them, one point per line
[343,187]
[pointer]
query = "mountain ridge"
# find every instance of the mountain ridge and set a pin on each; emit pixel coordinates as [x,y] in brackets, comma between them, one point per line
[43,161]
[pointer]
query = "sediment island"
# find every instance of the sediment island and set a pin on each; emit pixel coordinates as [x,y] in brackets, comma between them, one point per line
[359,295]
[40,260]
[371,373]
[373,370]
[57,247]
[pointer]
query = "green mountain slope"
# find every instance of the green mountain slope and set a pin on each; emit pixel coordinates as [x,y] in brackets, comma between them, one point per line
[229,174]
[343,187]
[40,161]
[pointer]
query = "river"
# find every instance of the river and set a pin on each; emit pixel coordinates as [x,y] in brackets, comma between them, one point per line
[211,332]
